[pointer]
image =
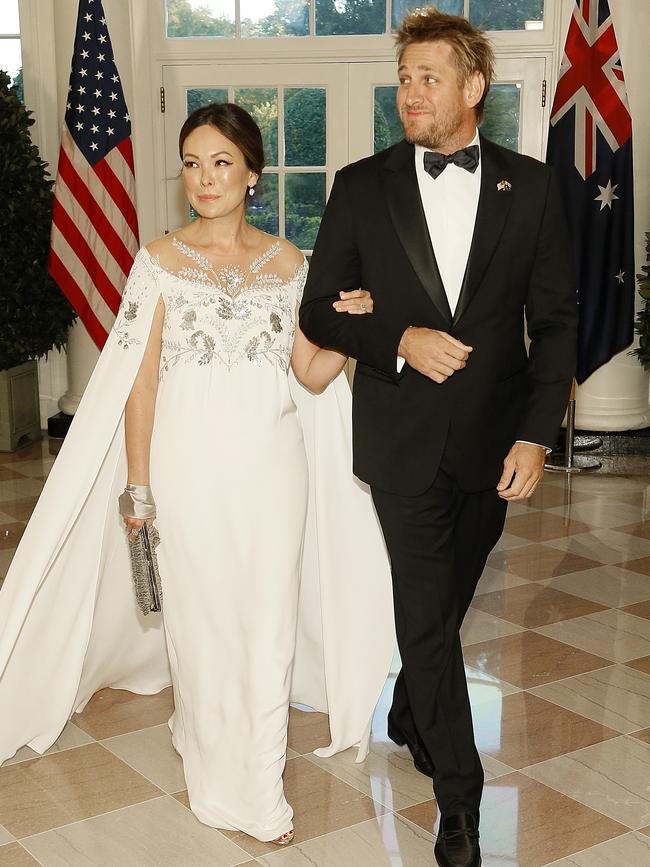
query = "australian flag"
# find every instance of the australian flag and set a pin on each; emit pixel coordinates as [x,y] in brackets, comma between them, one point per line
[590,145]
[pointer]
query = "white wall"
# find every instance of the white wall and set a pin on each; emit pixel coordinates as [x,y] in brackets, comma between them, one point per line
[615,397]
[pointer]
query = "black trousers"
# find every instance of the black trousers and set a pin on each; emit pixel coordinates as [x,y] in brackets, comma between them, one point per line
[438,543]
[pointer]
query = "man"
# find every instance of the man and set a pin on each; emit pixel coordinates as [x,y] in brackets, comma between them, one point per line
[459,241]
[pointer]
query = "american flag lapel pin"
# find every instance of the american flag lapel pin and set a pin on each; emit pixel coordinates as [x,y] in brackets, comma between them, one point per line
[504,186]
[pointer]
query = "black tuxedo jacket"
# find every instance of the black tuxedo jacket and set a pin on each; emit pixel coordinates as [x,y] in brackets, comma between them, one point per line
[374,235]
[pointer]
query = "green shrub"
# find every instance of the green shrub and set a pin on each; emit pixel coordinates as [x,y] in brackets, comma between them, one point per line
[34,314]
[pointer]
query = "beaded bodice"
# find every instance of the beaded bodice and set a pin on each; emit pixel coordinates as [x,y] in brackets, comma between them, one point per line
[229,316]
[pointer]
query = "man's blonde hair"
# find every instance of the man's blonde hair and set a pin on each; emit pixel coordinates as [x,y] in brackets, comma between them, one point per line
[471,48]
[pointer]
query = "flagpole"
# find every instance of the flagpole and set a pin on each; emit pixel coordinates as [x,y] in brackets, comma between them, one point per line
[567,461]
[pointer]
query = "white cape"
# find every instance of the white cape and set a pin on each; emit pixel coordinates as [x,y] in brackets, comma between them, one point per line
[69,625]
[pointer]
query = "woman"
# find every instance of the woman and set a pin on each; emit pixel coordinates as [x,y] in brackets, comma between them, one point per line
[198,362]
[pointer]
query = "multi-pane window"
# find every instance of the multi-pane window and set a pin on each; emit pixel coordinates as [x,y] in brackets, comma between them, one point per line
[10,54]
[290,196]
[251,18]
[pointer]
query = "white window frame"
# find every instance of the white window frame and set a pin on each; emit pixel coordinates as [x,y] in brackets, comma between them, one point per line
[380,47]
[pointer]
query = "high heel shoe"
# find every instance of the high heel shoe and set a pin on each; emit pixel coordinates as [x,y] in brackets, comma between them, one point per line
[284,839]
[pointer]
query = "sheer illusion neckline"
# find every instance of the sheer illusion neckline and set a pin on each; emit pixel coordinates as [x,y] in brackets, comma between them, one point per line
[230,280]
[253,267]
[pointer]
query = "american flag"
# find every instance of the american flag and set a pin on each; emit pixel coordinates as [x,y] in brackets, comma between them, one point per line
[590,145]
[94,221]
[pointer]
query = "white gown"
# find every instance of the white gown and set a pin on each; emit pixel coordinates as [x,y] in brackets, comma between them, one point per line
[252,618]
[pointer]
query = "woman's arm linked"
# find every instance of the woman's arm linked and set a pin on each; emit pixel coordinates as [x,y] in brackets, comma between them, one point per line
[314,367]
[138,427]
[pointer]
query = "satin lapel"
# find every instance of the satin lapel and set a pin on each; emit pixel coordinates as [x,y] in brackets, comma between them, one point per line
[406,211]
[494,203]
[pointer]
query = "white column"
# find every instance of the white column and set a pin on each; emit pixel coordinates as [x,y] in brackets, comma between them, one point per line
[616,397]
[82,357]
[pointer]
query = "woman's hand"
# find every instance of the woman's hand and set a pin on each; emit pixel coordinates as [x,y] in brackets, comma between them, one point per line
[357,302]
[133,527]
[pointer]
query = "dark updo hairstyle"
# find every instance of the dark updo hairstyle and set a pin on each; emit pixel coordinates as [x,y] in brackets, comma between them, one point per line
[236,124]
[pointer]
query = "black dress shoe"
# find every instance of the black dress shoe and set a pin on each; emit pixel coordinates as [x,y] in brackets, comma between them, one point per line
[457,843]
[421,758]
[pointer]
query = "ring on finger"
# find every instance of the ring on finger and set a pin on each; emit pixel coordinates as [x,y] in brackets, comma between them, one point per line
[363,306]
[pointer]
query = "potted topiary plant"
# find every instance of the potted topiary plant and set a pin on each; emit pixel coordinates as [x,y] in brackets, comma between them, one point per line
[34,314]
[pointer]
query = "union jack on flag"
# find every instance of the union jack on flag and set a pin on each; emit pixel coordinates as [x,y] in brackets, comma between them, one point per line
[94,222]
[590,145]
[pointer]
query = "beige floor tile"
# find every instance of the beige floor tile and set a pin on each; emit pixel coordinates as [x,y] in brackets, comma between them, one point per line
[611,633]
[628,850]
[479,626]
[642,735]
[527,824]
[387,775]
[112,712]
[5,836]
[641,528]
[55,790]
[17,489]
[508,541]
[606,485]
[388,841]
[642,664]
[35,469]
[6,556]
[494,579]
[20,509]
[543,526]
[425,815]
[535,562]
[612,777]
[609,585]
[321,803]
[522,730]
[640,565]
[307,731]
[158,833]
[150,752]
[483,687]
[70,737]
[534,604]
[617,697]
[14,855]
[10,535]
[548,496]
[604,546]
[528,659]
[493,768]
[601,512]
[8,473]
[639,609]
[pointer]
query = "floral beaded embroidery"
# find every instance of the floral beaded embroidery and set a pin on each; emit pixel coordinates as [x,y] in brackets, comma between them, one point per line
[136,290]
[230,315]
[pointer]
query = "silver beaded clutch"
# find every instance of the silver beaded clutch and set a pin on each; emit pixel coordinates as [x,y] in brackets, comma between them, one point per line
[144,567]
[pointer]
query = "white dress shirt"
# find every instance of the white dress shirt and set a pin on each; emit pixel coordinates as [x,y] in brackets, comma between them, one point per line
[450,202]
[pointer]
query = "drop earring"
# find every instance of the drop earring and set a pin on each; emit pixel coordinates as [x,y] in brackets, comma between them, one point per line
[251,191]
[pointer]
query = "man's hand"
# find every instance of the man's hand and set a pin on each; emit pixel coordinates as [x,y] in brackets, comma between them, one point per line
[522,470]
[435,354]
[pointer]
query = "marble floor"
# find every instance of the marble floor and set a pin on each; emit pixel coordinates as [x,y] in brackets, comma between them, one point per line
[557,650]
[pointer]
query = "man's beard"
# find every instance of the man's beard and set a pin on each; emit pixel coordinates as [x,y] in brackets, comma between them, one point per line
[437,135]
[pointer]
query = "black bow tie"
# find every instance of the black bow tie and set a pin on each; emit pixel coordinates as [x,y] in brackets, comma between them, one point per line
[467,158]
